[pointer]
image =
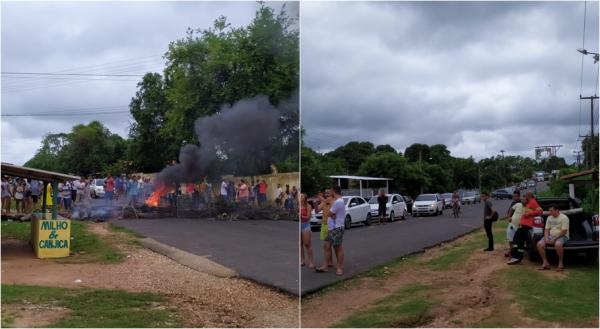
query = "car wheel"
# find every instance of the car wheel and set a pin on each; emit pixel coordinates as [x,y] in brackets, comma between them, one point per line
[314,229]
[368,220]
[392,216]
[403,215]
[347,222]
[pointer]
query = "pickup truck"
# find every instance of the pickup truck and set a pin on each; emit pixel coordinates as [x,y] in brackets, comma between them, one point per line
[583,228]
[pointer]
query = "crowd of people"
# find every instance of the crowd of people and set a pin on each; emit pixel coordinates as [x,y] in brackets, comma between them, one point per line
[255,194]
[521,215]
[27,193]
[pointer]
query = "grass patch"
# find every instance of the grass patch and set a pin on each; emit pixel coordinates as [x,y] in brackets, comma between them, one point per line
[407,307]
[16,230]
[95,308]
[85,245]
[571,300]
[456,254]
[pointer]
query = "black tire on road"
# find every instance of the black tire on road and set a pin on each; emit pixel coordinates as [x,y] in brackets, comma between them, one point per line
[392,216]
[347,222]
[368,220]
[591,256]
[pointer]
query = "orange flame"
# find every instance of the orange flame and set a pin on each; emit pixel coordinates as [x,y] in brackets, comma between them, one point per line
[154,199]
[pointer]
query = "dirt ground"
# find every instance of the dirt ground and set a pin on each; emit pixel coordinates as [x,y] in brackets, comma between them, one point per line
[467,295]
[203,300]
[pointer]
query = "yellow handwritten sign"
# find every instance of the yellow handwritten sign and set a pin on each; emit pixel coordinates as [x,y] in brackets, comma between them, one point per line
[52,238]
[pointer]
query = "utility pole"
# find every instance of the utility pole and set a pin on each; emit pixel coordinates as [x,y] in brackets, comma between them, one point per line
[578,159]
[591,142]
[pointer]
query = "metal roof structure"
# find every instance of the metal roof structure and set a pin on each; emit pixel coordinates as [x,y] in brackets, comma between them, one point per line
[360,180]
[37,174]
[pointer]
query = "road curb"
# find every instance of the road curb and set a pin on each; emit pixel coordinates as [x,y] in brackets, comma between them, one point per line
[195,262]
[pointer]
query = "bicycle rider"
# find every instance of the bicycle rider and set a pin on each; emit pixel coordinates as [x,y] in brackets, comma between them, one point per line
[456,201]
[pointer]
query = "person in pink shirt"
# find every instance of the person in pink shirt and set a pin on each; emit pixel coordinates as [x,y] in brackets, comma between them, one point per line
[243,193]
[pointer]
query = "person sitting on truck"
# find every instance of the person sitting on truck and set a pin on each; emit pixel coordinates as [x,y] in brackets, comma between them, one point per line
[530,211]
[556,234]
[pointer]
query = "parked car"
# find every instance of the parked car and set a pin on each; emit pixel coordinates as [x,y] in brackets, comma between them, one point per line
[471,197]
[357,211]
[409,203]
[523,185]
[97,188]
[531,184]
[501,194]
[583,228]
[395,208]
[447,200]
[428,204]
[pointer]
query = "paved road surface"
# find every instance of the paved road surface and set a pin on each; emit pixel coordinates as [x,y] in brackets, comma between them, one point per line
[259,250]
[369,246]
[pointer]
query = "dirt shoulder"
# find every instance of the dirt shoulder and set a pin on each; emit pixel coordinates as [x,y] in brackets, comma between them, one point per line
[204,300]
[464,287]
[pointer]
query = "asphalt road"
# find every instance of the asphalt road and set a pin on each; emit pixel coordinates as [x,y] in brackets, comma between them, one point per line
[369,246]
[264,251]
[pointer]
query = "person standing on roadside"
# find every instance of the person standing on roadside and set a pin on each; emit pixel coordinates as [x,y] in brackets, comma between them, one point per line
[530,211]
[109,186]
[262,192]
[305,214]
[35,188]
[223,191]
[515,211]
[382,201]
[243,193]
[6,195]
[278,195]
[488,218]
[325,202]
[335,224]
[19,195]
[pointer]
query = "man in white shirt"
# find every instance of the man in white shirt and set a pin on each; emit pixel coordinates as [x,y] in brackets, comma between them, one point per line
[224,190]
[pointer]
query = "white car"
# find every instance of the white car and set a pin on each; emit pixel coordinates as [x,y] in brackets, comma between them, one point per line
[428,204]
[357,211]
[97,188]
[395,207]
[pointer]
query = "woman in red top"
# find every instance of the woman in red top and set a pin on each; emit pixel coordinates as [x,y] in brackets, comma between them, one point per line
[305,214]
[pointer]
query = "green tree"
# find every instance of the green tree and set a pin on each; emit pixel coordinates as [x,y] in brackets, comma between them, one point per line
[385,148]
[418,152]
[353,154]
[91,147]
[222,65]
[50,155]
[312,178]
[148,147]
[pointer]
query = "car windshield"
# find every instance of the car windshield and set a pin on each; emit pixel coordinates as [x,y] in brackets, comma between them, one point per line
[99,182]
[426,197]
[469,193]
[447,195]
[346,199]
[373,199]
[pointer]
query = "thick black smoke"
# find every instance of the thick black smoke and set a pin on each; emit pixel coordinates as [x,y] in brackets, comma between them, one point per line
[247,126]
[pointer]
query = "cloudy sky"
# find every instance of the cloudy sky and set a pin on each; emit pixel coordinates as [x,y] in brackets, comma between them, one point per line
[89,37]
[478,77]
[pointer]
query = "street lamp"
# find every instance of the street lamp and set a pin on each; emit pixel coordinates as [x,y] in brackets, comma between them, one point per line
[585,52]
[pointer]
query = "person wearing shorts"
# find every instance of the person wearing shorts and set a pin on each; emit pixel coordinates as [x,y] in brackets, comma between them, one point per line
[335,224]
[305,214]
[556,233]
[35,188]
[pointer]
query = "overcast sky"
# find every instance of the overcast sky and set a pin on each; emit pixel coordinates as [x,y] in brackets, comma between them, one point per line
[478,77]
[84,37]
